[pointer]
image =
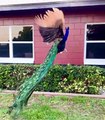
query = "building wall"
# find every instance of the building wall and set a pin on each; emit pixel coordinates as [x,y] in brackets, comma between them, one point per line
[75,43]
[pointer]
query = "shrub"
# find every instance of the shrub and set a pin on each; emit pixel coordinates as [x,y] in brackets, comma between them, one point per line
[83,79]
[71,79]
[51,80]
[13,75]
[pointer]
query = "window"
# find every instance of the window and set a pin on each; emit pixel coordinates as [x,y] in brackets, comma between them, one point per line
[95,44]
[16,44]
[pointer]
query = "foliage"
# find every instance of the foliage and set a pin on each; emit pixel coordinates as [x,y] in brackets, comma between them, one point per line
[13,75]
[83,79]
[71,79]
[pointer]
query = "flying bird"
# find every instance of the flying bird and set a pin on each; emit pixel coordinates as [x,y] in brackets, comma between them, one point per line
[51,27]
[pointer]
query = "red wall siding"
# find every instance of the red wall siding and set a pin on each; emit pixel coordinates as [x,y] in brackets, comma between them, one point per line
[16,21]
[75,43]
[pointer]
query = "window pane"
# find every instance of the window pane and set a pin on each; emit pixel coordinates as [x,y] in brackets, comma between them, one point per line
[22,50]
[95,50]
[4,50]
[96,32]
[4,34]
[20,33]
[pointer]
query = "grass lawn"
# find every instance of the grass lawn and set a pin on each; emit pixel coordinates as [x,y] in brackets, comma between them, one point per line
[56,108]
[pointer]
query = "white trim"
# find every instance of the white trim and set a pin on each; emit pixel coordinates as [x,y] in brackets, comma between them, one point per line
[16,60]
[20,2]
[94,61]
[95,23]
[91,61]
[11,5]
[11,59]
[33,42]
[10,44]
[85,44]
[97,41]
[22,42]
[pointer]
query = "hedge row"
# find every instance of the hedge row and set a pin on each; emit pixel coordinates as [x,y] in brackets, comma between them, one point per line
[71,79]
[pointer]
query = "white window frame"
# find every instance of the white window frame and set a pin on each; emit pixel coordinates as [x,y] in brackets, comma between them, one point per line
[90,61]
[11,59]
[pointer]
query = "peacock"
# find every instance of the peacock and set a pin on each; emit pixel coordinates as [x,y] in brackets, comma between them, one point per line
[51,27]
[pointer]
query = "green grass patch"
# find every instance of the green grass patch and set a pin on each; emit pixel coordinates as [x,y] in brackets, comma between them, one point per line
[56,108]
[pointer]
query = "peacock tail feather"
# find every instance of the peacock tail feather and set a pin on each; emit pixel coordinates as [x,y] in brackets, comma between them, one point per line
[27,88]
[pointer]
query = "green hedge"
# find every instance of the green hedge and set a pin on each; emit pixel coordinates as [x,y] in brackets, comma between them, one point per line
[71,79]
[13,75]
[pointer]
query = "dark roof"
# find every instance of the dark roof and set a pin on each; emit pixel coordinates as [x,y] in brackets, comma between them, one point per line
[50,4]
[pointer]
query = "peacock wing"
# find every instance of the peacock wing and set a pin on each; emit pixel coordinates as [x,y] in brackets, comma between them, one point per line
[50,34]
[51,24]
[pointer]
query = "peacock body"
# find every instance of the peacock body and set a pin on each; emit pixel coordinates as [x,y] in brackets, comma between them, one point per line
[52,31]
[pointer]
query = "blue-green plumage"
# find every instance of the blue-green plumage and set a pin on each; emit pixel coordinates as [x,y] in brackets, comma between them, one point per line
[62,44]
[49,34]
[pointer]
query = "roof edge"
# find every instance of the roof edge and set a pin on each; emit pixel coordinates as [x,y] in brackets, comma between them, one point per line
[54,3]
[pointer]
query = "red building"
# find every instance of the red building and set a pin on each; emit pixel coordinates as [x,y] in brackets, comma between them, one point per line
[20,40]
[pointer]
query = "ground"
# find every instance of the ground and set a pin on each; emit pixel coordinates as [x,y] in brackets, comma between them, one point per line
[56,108]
